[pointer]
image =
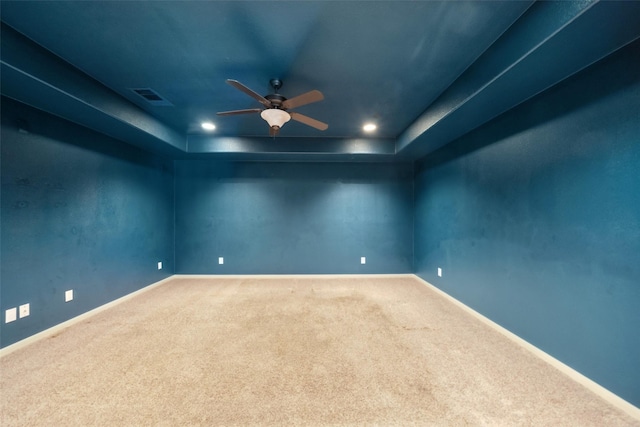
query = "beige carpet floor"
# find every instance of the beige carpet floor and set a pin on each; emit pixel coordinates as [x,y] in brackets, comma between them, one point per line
[289,351]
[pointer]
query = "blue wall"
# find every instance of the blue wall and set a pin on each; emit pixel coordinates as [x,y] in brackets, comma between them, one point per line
[80,211]
[535,220]
[293,218]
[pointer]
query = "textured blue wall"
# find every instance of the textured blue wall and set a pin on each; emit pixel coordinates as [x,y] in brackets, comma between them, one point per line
[80,211]
[293,218]
[535,220]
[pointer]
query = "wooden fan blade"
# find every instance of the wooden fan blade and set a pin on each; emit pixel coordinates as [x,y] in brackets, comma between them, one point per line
[308,121]
[235,112]
[261,99]
[304,99]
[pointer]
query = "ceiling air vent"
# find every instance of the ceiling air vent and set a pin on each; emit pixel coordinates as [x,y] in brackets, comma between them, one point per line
[152,97]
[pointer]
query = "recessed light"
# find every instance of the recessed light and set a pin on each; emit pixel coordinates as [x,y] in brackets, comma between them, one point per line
[208,126]
[369,127]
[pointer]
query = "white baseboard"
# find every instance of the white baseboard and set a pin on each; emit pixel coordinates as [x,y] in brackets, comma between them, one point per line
[288,276]
[596,388]
[64,325]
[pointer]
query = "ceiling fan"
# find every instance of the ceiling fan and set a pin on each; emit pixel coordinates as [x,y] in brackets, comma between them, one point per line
[277,111]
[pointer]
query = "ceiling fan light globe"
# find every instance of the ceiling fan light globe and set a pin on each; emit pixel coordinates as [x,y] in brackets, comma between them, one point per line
[275,117]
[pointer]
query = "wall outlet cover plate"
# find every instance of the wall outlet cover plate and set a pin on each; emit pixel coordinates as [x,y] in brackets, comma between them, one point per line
[10,315]
[24,310]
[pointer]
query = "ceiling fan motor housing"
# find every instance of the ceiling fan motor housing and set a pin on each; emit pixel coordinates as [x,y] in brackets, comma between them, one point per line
[276,100]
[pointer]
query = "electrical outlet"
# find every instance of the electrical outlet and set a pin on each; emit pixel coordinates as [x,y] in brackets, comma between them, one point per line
[439,272]
[363,260]
[220,260]
[160,265]
[10,315]
[68,295]
[24,310]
